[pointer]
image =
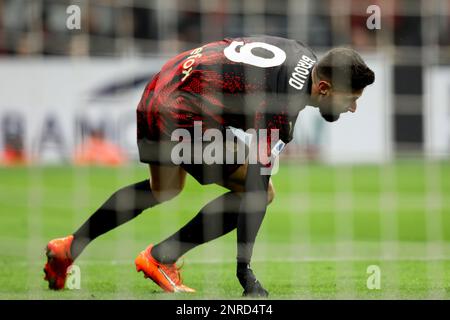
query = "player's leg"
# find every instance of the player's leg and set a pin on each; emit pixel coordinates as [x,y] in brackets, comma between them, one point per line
[214,220]
[122,206]
[217,218]
[167,181]
[127,203]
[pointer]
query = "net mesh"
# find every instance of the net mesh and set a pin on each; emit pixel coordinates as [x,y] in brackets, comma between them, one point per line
[372,195]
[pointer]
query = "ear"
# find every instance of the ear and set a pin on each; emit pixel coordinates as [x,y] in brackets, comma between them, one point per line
[324,87]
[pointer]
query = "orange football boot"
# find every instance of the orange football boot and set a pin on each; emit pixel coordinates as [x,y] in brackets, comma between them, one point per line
[58,260]
[167,276]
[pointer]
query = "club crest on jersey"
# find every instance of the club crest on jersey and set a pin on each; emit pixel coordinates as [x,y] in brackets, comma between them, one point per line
[301,72]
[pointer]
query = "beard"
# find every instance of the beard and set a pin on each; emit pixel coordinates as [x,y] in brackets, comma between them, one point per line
[326,109]
[329,116]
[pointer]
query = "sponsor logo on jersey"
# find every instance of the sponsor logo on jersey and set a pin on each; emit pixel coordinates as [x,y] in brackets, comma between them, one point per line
[301,72]
[187,65]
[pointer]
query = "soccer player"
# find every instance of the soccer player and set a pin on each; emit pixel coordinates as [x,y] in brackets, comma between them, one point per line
[259,83]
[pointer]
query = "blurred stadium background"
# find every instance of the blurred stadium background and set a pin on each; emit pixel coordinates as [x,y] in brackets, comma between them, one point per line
[372,189]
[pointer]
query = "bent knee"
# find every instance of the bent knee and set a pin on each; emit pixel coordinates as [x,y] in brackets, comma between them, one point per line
[166,182]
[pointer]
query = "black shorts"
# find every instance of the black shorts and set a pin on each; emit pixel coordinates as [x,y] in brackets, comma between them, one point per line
[160,153]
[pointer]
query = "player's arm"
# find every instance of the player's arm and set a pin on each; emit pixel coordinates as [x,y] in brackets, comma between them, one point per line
[257,181]
[254,204]
[251,215]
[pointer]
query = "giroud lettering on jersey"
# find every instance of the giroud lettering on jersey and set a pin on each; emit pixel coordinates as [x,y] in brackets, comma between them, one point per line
[301,72]
[187,65]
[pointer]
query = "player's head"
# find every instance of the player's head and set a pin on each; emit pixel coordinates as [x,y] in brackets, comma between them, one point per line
[339,79]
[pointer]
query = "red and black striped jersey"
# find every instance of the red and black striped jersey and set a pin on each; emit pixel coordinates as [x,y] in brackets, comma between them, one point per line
[259,82]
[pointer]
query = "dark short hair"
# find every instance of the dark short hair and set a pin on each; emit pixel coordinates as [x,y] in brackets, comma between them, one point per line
[345,69]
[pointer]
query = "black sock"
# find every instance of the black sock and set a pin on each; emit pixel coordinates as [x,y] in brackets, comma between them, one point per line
[216,219]
[124,205]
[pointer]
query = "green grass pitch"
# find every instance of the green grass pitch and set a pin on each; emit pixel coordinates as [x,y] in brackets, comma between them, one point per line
[325,227]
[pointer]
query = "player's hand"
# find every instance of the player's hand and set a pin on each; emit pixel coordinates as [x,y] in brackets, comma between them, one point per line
[252,287]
